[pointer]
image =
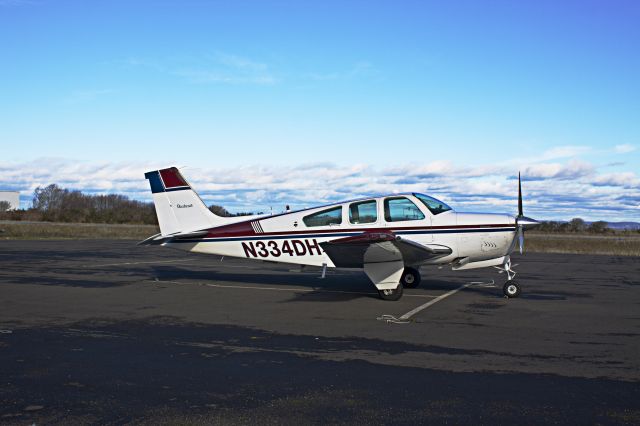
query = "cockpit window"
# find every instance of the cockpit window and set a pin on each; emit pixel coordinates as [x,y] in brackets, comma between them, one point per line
[434,206]
[400,209]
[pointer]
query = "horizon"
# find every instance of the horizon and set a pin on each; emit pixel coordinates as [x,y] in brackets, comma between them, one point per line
[269,104]
[26,204]
[131,188]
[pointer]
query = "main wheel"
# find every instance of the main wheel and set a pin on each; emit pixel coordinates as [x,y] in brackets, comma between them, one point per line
[410,278]
[391,294]
[511,289]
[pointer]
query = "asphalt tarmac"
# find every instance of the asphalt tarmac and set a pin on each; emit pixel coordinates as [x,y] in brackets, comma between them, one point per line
[107,332]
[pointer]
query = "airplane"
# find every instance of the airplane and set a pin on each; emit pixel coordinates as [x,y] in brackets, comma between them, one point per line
[388,236]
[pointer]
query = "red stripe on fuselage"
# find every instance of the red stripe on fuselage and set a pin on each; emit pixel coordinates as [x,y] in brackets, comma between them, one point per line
[241,229]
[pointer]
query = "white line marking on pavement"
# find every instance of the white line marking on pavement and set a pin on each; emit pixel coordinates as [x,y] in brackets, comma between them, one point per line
[404,319]
[432,302]
[139,263]
[290,289]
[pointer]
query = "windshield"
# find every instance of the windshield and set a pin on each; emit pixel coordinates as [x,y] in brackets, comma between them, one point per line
[434,206]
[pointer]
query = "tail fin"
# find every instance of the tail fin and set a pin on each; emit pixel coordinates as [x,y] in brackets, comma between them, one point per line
[179,208]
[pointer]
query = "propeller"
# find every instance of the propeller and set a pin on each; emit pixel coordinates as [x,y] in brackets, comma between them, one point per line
[522,222]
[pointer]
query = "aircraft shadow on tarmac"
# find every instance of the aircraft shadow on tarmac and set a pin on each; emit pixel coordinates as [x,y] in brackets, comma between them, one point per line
[337,286]
[342,281]
[82,281]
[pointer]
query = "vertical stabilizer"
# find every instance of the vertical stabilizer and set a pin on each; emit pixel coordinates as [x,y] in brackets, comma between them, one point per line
[178,207]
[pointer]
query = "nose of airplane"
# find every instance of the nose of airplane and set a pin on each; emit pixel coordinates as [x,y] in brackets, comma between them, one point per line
[526,222]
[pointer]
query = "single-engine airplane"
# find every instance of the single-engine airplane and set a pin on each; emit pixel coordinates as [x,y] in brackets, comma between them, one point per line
[389,236]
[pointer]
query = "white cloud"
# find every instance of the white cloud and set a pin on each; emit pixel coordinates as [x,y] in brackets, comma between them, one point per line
[567,151]
[572,170]
[624,180]
[624,148]
[557,153]
[551,190]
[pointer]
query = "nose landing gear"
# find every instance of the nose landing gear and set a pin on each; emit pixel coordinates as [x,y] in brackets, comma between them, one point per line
[511,288]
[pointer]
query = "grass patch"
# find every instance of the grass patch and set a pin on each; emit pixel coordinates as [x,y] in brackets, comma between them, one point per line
[10,230]
[615,245]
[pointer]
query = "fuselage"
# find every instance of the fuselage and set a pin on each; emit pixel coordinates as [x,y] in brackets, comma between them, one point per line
[295,237]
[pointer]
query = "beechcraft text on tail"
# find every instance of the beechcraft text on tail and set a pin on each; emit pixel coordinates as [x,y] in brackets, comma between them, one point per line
[389,237]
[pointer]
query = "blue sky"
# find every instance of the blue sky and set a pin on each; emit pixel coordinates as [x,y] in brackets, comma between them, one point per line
[451,98]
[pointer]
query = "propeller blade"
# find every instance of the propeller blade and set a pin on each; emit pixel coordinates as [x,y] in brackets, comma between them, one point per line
[519,196]
[522,222]
[521,238]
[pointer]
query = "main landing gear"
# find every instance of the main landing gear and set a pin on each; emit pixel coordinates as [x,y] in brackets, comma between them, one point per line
[391,294]
[410,279]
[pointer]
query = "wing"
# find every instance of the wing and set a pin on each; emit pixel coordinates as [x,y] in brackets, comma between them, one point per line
[375,247]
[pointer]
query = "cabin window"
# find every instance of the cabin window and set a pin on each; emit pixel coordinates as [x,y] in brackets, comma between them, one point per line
[434,206]
[400,209]
[324,218]
[363,212]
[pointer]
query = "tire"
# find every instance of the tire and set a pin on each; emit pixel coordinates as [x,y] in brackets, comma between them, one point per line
[410,278]
[511,289]
[392,295]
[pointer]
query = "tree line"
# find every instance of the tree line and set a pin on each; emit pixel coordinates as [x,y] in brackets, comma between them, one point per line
[55,204]
[575,225]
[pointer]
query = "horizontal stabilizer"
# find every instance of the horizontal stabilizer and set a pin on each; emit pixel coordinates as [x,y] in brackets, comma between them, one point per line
[159,239]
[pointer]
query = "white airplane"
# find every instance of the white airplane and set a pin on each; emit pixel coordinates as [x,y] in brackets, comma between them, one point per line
[390,236]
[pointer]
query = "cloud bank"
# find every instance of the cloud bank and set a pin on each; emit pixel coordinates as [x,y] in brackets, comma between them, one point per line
[559,190]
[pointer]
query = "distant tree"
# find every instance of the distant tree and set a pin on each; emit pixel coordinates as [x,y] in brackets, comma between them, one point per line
[219,211]
[49,198]
[4,206]
[61,205]
[548,226]
[577,225]
[599,227]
